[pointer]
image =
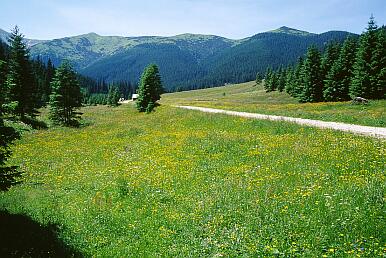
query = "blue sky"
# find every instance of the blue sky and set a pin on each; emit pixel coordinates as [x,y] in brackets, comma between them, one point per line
[48,19]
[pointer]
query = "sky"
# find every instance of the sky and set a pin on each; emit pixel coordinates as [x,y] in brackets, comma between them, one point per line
[236,19]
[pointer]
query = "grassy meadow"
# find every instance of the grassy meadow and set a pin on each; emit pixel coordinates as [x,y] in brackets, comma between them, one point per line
[189,184]
[250,97]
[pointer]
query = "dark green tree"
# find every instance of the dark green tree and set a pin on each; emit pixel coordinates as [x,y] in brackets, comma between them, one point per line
[8,175]
[330,56]
[3,76]
[259,78]
[268,79]
[281,79]
[271,80]
[48,76]
[20,83]
[338,80]
[311,76]
[364,80]
[378,65]
[150,89]
[113,95]
[298,83]
[289,81]
[66,96]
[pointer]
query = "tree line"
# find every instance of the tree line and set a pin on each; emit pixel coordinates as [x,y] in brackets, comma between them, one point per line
[356,68]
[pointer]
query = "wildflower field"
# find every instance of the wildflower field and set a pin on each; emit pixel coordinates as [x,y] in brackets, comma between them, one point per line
[250,97]
[190,184]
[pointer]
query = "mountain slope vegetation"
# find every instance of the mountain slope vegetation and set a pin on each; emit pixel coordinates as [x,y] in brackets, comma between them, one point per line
[186,61]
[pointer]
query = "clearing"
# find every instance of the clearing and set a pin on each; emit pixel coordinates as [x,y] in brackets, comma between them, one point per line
[184,183]
[377,132]
[249,97]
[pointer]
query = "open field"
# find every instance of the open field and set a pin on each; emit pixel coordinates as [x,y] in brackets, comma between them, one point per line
[251,98]
[184,183]
[372,131]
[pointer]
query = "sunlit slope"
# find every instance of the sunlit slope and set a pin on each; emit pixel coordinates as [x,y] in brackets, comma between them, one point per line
[250,97]
[178,183]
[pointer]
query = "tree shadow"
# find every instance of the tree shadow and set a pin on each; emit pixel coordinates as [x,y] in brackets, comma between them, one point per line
[22,237]
[34,123]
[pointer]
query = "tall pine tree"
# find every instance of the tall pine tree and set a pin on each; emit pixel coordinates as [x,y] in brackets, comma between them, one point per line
[364,80]
[8,174]
[298,84]
[281,79]
[20,81]
[66,96]
[150,89]
[378,65]
[330,56]
[268,79]
[113,95]
[311,75]
[289,81]
[338,80]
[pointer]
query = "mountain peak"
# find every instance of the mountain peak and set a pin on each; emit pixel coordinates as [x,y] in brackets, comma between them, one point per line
[288,30]
[91,34]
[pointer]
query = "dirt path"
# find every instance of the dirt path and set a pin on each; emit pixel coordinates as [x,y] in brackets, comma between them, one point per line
[377,132]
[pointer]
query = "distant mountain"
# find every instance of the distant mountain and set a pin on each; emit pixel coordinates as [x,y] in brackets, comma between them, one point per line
[186,61]
[30,42]
[292,31]
[270,49]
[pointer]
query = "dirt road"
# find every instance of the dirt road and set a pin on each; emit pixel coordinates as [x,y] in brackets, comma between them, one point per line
[377,132]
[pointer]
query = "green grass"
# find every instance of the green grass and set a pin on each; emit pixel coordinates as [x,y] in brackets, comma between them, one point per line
[184,183]
[251,98]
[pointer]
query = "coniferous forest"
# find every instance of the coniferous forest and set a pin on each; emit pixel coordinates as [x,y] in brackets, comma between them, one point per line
[354,68]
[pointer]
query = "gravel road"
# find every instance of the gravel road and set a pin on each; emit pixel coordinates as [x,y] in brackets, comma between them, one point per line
[377,132]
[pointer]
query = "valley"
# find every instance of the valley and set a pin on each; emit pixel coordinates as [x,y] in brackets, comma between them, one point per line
[258,143]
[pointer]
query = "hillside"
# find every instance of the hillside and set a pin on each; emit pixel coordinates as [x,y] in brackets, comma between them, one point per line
[186,61]
[30,42]
[250,97]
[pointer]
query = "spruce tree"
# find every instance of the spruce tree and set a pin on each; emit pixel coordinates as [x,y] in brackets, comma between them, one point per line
[259,78]
[150,89]
[330,56]
[268,80]
[271,80]
[49,74]
[20,80]
[289,81]
[113,95]
[364,80]
[338,80]
[2,50]
[66,96]
[3,76]
[378,65]
[311,76]
[8,175]
[298,82]
[281,79]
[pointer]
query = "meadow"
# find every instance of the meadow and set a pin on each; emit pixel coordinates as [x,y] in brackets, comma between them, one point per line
[189,184]
[250,97]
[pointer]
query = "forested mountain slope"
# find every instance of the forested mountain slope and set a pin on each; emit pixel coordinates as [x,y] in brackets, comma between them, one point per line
[186,61]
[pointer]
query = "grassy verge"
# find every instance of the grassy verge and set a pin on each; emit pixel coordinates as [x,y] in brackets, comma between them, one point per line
[251,98]
[184,183]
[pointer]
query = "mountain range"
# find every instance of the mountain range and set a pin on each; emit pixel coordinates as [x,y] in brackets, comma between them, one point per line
[29,42]
[186,61]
